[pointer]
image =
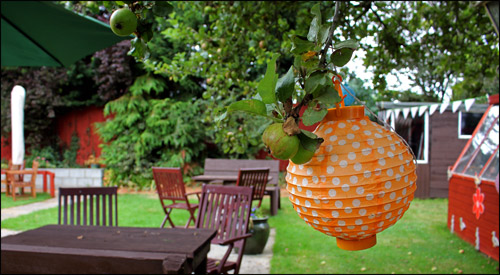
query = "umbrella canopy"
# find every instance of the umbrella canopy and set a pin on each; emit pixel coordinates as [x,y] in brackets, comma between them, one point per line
[38,33]
[17,118]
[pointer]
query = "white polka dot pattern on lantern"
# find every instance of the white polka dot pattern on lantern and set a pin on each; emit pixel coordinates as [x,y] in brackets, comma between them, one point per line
[359,182]
[336,181]
[330,169]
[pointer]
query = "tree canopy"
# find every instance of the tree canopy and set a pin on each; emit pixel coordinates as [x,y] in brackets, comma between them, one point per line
[211,54]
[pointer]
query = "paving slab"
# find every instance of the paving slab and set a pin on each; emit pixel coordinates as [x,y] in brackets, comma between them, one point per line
[250,264]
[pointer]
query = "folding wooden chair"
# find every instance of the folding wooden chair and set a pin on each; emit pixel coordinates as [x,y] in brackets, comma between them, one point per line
[256,177]
[88,206]
[170,186]
[227,210]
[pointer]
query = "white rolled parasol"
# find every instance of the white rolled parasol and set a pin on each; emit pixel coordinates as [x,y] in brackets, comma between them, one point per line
[18,95]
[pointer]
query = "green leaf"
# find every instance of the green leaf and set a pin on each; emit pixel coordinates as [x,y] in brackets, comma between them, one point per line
[314,81]
[220,117]
[267,85]
[286,85]
[147,83]
[341,57]
[309,134]
[309,143]
[138,48]
[315,24]
[328,95]
[351,44]
[311,116]
[323,33]
[162,9]
[300,45]
[252,106]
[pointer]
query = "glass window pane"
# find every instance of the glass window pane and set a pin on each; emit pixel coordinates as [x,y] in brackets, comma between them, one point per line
[413,131]
[491,117]
[492,171]
[468,123]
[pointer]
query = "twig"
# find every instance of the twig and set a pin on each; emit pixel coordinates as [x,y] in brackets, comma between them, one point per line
[308,97]
[322,63]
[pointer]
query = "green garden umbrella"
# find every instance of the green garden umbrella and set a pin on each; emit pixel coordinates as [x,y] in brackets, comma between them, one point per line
[36,33]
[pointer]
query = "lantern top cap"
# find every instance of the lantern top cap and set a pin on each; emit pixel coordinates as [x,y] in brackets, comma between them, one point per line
[344,113]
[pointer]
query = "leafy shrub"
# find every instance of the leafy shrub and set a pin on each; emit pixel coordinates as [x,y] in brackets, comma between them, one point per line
[149,132]
[47,157]
[70,153]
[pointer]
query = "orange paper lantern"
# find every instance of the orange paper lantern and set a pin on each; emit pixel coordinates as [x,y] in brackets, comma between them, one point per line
[359,182]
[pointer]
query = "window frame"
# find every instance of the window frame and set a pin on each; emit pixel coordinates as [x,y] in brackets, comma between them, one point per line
[425,115]
[475,152]
[459,127]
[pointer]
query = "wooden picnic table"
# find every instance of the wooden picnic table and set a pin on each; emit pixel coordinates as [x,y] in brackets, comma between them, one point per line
[69,249]
[225,179]
[226,171]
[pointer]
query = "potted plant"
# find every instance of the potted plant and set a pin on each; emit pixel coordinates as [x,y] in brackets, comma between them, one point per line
[92,161]
[260,229]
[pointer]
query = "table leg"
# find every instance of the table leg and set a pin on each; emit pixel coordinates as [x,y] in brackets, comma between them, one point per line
[274,202]
[202,267]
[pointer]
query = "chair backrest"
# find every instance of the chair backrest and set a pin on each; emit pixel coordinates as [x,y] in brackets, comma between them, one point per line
[256,177]
[17,167]
[169,183]
[34,169]
[88,206]
[227,210]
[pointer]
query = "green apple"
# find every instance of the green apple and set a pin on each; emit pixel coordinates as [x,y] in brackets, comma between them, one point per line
[302,156]
[123,22]
[282,146]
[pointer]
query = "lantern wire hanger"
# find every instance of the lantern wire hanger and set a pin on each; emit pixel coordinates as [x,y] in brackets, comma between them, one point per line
[337,82]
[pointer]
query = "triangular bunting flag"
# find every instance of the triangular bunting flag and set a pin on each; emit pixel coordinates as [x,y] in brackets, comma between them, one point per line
[388,115]
[396,113]
[468,103]
[433,108]
[422,109]
[414,111]
[456,104]
[405,112]
[443,107]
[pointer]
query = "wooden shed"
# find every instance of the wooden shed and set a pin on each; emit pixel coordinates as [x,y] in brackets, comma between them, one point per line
[436,133]
[473,186]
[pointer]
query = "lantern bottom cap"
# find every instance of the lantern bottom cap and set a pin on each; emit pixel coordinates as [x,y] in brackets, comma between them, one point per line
[357,244]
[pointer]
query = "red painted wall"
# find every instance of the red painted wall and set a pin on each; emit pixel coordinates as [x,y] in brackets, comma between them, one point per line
[6,148]
[81,122]
[460,204]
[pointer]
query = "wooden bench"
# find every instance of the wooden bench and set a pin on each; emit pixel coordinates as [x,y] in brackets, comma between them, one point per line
[224,167]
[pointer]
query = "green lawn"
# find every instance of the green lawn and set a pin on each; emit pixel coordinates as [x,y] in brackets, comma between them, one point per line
[419,243]
[27,198]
